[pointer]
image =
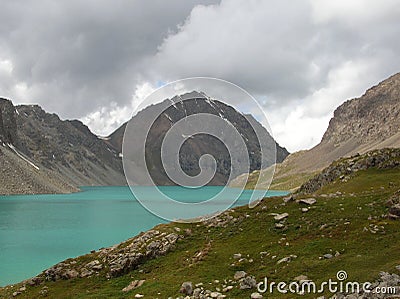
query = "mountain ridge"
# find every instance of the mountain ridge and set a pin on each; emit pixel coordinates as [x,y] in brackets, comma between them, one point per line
[40,153]
[57,156]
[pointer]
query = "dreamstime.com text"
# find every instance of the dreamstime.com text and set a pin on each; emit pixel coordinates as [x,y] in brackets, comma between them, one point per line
[332,286]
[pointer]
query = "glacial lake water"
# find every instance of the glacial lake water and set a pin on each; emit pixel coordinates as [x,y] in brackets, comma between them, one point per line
[38,231]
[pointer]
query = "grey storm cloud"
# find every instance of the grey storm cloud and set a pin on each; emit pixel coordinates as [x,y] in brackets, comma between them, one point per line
[95,60]
[283,49]
[74,56]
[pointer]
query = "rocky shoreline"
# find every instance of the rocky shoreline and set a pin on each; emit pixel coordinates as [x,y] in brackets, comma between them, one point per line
[116,260]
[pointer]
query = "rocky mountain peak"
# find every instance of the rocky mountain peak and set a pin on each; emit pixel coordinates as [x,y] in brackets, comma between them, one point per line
[199,144]
[67,146]
[373,117]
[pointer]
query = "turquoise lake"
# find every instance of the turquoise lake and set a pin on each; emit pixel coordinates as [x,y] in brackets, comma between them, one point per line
[38,231]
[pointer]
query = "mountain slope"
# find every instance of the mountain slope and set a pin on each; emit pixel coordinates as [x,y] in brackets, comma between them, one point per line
[19,174]
[358,125]
[116,138]
[66,152]
[22,176]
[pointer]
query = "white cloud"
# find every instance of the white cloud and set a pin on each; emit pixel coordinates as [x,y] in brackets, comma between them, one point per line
[250,43]
[107,118]
[356,12]
[78,56]
[296,130]
[6,66]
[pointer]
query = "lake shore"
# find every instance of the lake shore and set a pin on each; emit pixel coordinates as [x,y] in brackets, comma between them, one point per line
[36,230]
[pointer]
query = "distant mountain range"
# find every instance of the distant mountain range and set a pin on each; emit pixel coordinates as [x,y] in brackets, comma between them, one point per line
[43,154]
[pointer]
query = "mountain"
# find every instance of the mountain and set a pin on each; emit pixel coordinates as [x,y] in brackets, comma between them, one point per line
[197,145]
[359,125]
[67,154]
[67,146]
[42,154]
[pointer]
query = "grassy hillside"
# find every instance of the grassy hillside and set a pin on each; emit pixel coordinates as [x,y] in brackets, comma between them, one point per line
[348,221]
[285,175]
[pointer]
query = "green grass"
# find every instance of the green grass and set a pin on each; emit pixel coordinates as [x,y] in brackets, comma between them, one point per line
[332,224]
[291,182]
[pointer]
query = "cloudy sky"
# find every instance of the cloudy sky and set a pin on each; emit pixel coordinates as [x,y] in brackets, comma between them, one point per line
[96,60]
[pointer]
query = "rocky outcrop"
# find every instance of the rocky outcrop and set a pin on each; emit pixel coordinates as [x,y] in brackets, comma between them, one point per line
[124,257]
[394,212]
[344,168]
[8,123]
[394,206]
[117,260]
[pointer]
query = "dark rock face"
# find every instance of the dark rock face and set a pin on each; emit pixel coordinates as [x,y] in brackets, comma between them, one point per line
[200,144]
[8,124]
[19,174]
[115,140]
